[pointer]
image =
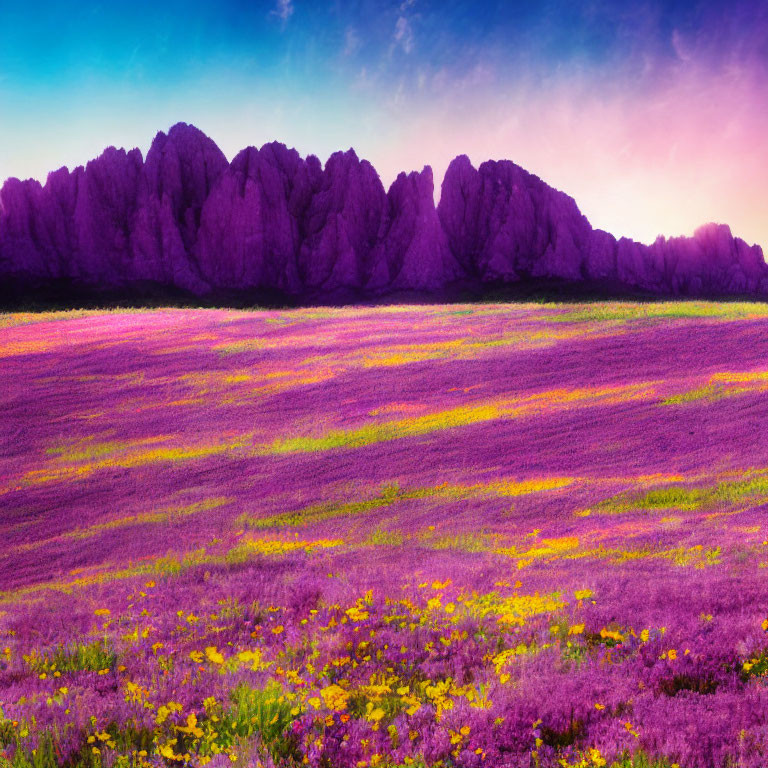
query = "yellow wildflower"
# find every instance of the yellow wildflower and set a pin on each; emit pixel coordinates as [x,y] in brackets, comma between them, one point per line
[335,697]
[167,751]
[596,758]
[191,727]
[213,655]
[374,713]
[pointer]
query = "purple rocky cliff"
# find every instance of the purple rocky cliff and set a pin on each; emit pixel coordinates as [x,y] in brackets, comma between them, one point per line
[272,223]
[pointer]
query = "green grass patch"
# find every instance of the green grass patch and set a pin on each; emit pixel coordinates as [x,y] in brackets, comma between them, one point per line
[756,667]
[317,513]
[262,712]
[382,538]
[252,717]
[661,310]
[465,542]
[642,760]
[78,657]
[709,392]
[752,489]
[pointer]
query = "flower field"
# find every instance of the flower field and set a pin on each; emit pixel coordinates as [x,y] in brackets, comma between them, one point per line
[468,535]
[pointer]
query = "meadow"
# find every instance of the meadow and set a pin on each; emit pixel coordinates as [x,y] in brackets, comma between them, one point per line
[437,536]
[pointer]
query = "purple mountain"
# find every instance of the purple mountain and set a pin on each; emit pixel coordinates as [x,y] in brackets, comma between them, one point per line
[273,225]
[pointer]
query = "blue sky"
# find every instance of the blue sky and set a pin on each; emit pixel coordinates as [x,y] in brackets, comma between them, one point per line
[651,114]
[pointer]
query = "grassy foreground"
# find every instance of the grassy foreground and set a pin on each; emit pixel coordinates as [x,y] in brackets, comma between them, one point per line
[466,535]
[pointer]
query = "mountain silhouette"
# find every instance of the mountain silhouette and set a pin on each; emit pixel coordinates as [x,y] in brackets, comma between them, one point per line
[273,226]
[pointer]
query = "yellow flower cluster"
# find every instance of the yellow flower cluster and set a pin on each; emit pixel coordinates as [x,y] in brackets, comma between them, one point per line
[335,697]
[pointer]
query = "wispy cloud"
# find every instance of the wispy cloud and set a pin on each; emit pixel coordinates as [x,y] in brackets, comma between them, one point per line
[404,34]
[352,42]
[680,46]
[284,9]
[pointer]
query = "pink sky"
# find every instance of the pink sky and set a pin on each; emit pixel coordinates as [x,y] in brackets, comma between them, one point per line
[690,152]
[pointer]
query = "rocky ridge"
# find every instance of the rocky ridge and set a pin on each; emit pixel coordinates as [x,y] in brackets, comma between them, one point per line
[273,225]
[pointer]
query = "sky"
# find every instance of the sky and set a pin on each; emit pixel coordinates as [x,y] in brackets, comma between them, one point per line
[653,116]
